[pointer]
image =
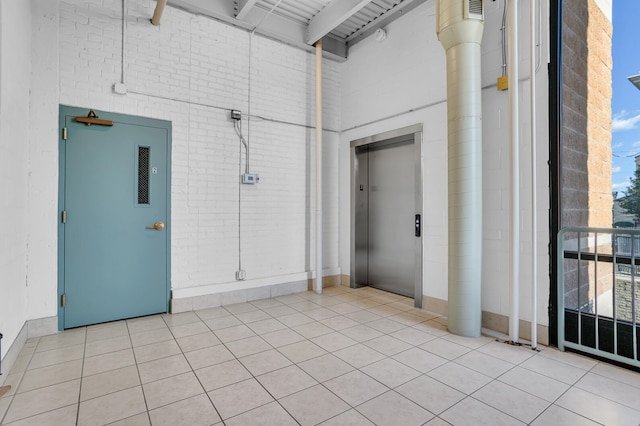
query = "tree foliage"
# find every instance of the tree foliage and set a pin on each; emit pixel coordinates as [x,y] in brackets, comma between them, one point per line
[631,200]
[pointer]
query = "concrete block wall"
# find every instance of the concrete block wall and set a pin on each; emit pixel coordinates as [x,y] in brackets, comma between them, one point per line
[600,64]
[586,115]
[586,150]
[625,299]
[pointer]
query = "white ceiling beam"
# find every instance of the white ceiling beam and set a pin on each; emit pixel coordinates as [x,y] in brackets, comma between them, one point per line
[244,6]
[334,14]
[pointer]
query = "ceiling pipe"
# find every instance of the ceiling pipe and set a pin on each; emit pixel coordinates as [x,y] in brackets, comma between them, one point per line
[460,25]
[317,285]
[514,137]
[157,14]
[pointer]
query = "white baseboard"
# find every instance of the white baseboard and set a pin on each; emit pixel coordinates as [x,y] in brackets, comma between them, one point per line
[30,329]
[42,327]
[193,303]
[491,321]
[13,353]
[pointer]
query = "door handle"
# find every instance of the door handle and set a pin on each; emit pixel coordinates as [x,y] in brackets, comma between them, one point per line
[158,226]
[418,225]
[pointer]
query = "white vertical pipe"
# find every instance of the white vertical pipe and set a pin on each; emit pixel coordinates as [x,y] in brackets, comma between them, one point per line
[514,311]
[534,203]
[461,38]
[157,13]
[317,286]
[124,41]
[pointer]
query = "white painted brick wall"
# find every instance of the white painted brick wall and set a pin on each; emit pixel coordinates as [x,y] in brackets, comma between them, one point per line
[202,67]
[15,39]
[202,64]
[43,162]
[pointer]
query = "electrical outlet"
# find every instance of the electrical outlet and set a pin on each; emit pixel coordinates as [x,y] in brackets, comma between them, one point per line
[241,275]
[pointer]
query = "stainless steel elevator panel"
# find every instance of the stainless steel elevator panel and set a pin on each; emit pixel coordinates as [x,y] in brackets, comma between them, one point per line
[385,243]
[361,223]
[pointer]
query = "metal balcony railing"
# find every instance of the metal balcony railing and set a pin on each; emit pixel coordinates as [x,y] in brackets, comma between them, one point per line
[598,274]
[626,244]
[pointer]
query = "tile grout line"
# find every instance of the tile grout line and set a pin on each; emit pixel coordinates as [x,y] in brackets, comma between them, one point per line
[135,360]
[84,350]
[23,373]
[252,375]
[238,360]
[496,379]
[295,364]
[129,336]
[356,369]
[340,331]
[193,371]
[15,392]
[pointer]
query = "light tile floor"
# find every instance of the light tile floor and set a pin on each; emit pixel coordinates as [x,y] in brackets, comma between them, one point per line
[346,357]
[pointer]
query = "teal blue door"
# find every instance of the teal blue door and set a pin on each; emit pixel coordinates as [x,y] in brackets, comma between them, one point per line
[114,221]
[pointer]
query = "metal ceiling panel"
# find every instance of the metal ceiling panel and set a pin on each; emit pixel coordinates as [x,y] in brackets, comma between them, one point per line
[367,15]
[302,11]
[298,10]
[347,21]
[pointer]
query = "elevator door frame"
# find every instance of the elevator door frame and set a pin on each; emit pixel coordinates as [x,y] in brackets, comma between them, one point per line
[383,139]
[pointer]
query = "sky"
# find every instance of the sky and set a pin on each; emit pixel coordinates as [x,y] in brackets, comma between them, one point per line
[625,105]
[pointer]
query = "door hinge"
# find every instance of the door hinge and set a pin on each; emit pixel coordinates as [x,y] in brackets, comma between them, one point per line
[64,216]
[63,300]
[64,133]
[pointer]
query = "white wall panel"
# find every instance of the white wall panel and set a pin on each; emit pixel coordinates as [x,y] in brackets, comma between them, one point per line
[15,66]
[402,81]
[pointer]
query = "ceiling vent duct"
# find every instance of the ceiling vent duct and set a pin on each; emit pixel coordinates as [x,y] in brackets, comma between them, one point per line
[460,25]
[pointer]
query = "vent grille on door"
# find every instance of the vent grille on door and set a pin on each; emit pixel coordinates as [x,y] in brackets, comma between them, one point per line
[143,174]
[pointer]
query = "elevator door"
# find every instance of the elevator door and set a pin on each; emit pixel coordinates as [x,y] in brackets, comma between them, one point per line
[386,204]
